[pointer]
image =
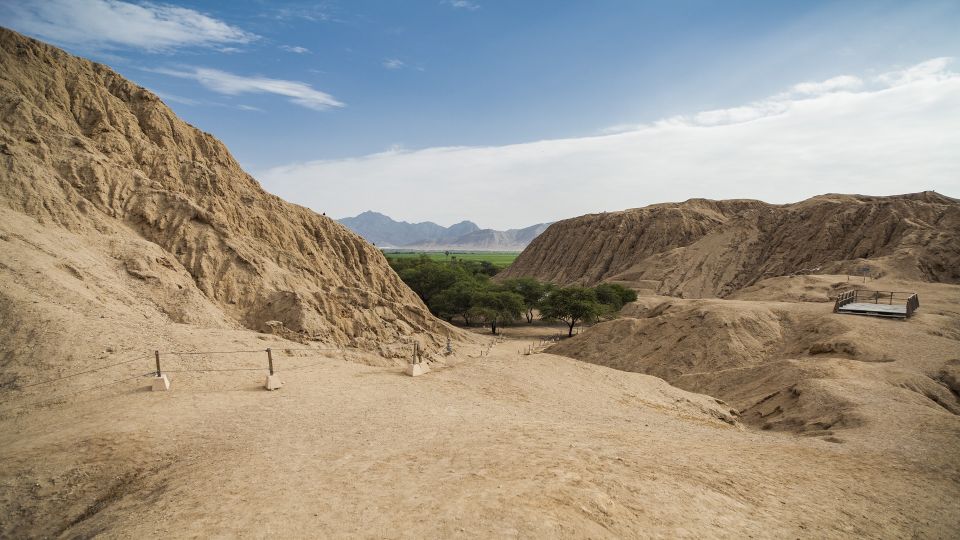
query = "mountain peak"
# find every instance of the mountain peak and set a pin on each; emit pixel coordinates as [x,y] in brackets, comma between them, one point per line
[387,232]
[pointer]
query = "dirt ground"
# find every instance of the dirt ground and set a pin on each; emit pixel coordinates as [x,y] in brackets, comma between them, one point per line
[501,445]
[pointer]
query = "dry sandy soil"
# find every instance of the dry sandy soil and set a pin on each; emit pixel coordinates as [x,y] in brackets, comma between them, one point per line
[495,445]
[502,445]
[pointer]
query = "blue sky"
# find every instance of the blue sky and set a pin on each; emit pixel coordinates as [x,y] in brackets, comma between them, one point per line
[301,91]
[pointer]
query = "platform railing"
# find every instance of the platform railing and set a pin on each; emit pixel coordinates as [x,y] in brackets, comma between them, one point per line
[863,296]
[844,298]
[913,302]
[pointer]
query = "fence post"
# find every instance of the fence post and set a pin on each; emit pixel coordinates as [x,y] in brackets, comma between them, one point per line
[273,381]
[160,382]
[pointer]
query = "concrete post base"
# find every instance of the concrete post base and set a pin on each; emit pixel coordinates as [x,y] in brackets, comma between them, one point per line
[273,382]
[415,370]
[161,384]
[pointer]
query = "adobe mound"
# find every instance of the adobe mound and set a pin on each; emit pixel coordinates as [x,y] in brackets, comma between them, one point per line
[793,366]
[701,248]
[108,199]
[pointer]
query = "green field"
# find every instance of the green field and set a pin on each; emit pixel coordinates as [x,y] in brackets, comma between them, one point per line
[500,259]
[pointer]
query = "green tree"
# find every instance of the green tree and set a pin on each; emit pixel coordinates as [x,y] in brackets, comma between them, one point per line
[614,295]
[427,277]
[571,305]
[457,300]
[497,307]
[531,290]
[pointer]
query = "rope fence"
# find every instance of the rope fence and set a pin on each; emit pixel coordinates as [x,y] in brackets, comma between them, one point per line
[57,379]
[78,392]
[175,361]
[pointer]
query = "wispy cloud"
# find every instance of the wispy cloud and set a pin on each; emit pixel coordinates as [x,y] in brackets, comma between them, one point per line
[934,69]
[297,92]
[295,49]
[393,63]
[783,102]
[173,98]
[463,4]
[894,133]
[843,82]
[312,13]
[113,24]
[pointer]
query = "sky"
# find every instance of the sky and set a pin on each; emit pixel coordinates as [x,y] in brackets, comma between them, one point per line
[511,113]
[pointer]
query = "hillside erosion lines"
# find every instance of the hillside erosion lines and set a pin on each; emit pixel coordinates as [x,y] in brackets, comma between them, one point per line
[702,248]
[86,151]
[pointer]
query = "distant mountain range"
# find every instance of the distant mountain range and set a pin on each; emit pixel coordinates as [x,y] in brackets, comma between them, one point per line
[385,232]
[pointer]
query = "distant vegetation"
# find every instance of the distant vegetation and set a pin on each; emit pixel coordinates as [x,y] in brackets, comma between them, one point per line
[461,290]
[499,259]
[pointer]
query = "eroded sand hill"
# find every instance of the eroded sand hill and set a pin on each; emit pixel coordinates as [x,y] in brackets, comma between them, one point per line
[793,365]
[701,248]
[103,170]
[785,362]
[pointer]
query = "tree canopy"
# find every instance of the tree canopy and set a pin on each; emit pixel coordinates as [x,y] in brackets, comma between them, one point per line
[614,295]
[497,307]
[457,288]
[572,305]
[530,290]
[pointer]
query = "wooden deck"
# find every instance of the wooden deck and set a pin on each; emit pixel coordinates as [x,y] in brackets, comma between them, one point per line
[880,310]
[897,305]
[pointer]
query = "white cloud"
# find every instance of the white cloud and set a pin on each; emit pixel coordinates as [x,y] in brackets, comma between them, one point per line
[111,24]
[785,101]
[296,49]
[843,82]
[393,63]
[312,13]
[173,98]
[299,93]
[897,137]
[930,70]
[464,4]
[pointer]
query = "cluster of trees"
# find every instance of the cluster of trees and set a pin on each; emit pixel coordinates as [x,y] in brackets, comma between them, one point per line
[463,289]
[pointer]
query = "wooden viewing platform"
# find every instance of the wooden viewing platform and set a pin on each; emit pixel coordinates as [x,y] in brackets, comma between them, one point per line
[897,305]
